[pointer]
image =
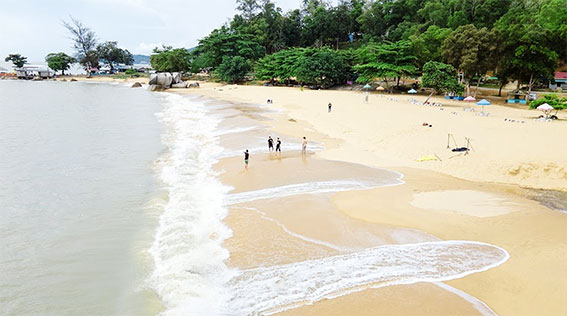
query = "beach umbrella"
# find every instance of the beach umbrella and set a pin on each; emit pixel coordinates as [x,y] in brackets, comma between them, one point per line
[367,86]
[380,88]
[412,91]
[546,108]
[469,99]
[483,103]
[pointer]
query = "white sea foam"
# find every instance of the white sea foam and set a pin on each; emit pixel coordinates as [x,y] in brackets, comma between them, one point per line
[478,304]
[308,188]
[268,290]
[190,274]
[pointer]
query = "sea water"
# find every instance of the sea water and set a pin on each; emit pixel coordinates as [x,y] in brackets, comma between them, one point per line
[76,174]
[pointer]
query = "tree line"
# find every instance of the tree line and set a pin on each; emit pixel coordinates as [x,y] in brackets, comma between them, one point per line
[366,40]
[89,53]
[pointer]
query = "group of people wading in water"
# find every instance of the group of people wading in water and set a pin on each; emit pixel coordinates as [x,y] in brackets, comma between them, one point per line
[277,150]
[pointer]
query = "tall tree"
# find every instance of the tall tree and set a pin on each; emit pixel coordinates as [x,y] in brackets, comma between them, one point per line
[17,59]
[224,42]
[427,45]
[233,69]
[248,8]
[472,51]
[441,77]
[110,54]
[59,61]
[529,48]
[84,42]
[170,59]
[385,60]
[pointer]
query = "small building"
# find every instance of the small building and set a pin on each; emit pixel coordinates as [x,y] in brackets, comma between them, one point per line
[517,96]
[559,81]
[34,71]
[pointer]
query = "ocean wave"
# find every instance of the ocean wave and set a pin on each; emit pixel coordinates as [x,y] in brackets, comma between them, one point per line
[309,188]
[268,290]
[189,273]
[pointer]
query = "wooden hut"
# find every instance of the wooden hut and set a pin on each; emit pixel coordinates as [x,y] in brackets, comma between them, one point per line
[517,96]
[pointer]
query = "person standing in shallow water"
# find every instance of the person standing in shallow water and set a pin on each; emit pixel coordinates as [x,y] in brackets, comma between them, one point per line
[279,145]
[330,105]
[246,157]
[304,146]
[270,144]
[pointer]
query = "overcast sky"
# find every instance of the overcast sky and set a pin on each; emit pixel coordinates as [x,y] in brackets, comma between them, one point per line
[33,27]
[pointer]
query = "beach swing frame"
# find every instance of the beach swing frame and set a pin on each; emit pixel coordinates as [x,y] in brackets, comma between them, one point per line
[468,145]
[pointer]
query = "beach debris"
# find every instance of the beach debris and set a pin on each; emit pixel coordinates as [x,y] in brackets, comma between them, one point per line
[137,85]
[431,157]
[73,79]
[292,120]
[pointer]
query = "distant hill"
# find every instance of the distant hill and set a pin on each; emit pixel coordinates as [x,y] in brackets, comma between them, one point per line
[141,59]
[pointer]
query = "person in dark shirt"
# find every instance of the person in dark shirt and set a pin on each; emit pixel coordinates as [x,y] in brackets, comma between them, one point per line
[246,157]
[330,105]
[279,145]
[270,143]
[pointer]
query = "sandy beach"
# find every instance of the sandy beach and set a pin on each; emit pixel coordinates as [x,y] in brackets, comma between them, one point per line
[360,187]
[476,197]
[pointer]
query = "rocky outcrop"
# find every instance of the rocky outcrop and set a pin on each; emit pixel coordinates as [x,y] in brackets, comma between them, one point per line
[182,84]
[155,87]
[73,79]
[137,85]
[166,80]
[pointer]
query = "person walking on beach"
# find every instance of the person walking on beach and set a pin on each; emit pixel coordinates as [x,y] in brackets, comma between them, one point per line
[330,105]
[270,144]
[304,146]
[246,157]
[279,145]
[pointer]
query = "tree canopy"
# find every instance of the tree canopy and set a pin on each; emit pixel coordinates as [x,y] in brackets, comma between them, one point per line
[475,36]
[59,61]
[385,60]
[110,54]
[233,69]
[84,42]
[171,59]
[16,59]
[441,77]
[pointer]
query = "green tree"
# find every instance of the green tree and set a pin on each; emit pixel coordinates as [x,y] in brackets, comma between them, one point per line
[233,69]
[169,59]
[110,54]
[84,42]
[427,45]
[59,61]
[321,67]
[551,99]
[385,60]
[441,77]
[17,59]
[529,48]
[472,51]
[224,42]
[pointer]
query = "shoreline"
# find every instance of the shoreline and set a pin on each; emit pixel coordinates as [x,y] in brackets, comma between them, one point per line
[507,196]
[386,212]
